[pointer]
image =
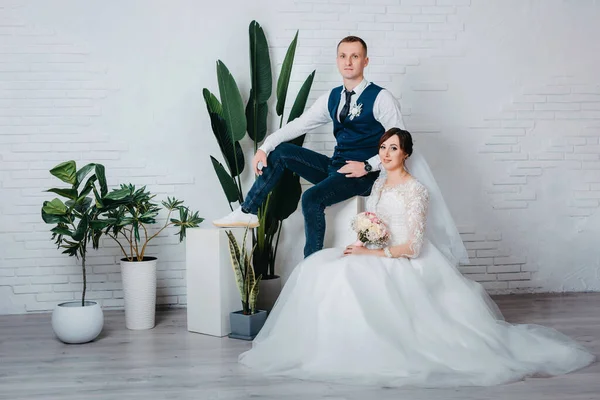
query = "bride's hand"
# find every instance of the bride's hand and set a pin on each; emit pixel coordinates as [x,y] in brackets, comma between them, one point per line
[356,250]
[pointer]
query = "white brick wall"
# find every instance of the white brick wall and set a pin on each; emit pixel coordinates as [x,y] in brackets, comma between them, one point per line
[507,113]
[52,99]
[519,111]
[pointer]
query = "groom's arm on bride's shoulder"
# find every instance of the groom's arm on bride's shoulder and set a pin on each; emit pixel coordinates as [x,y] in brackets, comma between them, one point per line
[386,110]
[416,215]
[315,116]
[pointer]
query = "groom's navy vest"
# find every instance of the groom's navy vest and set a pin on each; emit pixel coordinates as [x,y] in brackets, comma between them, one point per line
[357,138]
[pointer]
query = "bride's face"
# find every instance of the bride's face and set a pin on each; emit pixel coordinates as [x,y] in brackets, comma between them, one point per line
[392,156]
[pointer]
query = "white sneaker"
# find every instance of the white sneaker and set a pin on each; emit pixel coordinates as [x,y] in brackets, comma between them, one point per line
[237,218]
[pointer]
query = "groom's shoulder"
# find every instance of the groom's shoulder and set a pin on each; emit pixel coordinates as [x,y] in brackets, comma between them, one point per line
[385,94]
[334,92]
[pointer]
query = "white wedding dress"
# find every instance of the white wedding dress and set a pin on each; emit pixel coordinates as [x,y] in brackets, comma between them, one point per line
[403,321]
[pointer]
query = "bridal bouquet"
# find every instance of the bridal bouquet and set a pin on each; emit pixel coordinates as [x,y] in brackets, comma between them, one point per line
[370,229]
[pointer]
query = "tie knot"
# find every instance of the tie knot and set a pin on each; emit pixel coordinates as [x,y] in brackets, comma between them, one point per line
[349,94]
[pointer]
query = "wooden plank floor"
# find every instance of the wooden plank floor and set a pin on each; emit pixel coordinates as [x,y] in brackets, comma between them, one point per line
[170,362]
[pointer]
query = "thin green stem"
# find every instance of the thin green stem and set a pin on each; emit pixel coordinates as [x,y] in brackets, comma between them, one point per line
[156,234]
[119,243]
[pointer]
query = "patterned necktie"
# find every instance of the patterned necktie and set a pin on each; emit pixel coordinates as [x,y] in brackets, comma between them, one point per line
[346,108]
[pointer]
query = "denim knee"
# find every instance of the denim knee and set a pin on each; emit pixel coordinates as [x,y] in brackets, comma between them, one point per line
[281,151]
[310,203]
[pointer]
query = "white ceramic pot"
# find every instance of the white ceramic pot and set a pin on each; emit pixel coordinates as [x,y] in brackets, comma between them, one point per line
[74,323]
[139,292]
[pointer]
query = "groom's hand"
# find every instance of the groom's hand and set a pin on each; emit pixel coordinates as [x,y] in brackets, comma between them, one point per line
[261,157]
[353,169]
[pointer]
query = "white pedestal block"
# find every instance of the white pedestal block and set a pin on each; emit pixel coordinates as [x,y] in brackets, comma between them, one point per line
[212,293]
[338,218]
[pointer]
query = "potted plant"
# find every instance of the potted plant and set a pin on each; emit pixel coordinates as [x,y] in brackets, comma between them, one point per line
[127,213]
[76,321]
[230,122]
[247,322]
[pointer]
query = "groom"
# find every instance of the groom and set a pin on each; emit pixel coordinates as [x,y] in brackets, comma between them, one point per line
[361,112]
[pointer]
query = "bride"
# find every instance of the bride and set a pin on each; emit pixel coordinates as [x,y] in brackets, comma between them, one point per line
[403,314]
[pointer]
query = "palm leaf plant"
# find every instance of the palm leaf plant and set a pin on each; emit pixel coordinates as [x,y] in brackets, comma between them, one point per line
[127,214]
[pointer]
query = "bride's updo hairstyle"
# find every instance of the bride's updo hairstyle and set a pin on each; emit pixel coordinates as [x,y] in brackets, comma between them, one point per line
[404,138]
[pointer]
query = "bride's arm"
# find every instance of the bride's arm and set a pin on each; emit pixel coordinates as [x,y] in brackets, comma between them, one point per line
[416,213]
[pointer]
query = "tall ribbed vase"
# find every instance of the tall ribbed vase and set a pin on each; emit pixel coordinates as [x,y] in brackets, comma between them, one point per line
[139,291]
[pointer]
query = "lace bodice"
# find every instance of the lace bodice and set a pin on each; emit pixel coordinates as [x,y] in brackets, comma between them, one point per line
[403,208]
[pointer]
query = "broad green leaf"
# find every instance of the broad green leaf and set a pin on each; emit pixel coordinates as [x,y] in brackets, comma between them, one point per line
[81,229]
[233,105]
[54,207]
[285,196]
[100,173]
[256,116]
[66,172]
[82,204]
[99,224]
[301,98]
[227,182]
[260,64]
[88,187]
[284,77]
[212,103]
[81,174]
[54,219]
[232,151]
[118,194]
[68,193]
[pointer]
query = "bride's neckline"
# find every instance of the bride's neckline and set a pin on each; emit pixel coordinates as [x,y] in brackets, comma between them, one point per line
[406,182]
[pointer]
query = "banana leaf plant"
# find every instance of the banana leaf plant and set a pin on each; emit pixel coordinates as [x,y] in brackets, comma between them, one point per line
[284,198]
[246,280]
[228,117]
[74,218]
[228,123]
[127,214]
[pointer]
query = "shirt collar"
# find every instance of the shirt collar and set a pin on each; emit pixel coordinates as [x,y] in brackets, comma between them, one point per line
[359,88]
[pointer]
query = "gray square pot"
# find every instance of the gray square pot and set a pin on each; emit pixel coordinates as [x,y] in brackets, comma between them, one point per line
[246,327]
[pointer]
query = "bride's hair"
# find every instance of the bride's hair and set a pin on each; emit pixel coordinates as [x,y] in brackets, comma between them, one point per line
[404,137]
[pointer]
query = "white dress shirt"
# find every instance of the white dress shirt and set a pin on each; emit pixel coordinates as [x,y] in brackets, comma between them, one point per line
[386,111]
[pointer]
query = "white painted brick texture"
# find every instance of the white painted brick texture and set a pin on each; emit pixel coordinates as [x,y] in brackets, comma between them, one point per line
[514,142]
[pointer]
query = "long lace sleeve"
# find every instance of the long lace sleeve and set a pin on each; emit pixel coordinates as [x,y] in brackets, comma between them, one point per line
[416,208]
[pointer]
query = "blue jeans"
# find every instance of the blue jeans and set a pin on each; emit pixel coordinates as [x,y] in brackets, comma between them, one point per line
[330,187]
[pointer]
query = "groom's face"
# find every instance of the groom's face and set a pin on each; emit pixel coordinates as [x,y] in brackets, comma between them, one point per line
[351,60]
